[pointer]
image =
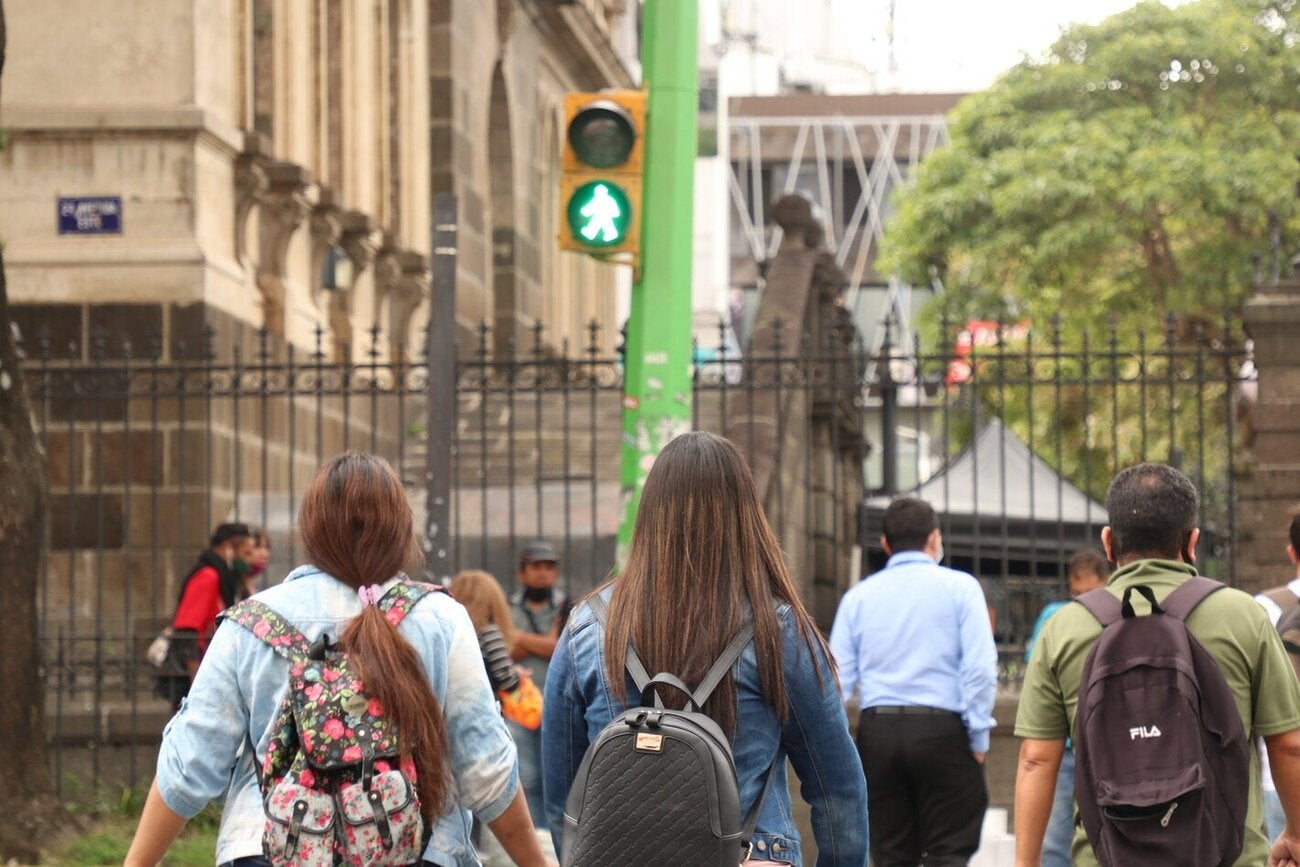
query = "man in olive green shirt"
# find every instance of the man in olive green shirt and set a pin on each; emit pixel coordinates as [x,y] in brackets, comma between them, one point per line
[1152,537]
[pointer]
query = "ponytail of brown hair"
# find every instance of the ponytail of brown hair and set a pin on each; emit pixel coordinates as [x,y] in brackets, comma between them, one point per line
[356,525]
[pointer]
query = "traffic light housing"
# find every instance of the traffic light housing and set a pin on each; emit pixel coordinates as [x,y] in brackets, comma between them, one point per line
[600,190]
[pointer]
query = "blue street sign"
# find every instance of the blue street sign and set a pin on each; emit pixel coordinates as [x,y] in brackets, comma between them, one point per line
[90,215]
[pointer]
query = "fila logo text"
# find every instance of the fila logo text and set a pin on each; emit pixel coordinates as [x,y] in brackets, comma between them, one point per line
[1143,732]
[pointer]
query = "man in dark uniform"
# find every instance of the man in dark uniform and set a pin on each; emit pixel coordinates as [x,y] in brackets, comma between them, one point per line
[538,610]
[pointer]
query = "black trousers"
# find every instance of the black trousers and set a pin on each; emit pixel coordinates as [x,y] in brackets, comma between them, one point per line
[925,791]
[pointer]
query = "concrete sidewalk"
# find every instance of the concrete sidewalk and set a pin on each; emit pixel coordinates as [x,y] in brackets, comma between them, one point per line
[997,843]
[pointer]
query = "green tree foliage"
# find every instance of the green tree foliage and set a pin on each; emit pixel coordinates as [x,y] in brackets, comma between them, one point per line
[1129,173]
[1093,409]
[1115,193]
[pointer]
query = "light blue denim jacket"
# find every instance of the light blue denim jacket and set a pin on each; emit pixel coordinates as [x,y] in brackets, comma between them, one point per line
[241,682]
[815,738]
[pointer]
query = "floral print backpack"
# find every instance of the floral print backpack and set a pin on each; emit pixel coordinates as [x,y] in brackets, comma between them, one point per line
[334,789]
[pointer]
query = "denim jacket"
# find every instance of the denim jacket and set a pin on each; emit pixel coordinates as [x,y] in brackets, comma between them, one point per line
[815,739]
[241,682]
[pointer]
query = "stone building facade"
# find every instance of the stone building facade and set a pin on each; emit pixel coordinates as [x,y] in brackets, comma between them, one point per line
[270,165]
[251,142]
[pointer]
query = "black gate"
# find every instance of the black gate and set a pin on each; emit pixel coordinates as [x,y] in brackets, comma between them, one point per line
[149,447]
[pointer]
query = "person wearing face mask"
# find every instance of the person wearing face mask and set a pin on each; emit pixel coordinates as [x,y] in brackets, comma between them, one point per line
[539,611]
[217,581]
[914,642]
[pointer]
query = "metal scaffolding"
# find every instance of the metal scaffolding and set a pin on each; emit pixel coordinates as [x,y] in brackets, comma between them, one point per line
[848,166]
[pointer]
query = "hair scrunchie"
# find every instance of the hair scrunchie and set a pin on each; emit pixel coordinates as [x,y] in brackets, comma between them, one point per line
[370,595]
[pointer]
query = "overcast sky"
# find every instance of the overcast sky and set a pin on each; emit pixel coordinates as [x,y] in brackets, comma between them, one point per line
[962,45]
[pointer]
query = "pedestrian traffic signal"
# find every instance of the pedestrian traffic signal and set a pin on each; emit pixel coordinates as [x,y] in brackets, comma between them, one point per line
[600,192]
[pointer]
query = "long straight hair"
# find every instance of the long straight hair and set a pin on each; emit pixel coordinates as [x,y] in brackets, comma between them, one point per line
[703,560]
[356,525]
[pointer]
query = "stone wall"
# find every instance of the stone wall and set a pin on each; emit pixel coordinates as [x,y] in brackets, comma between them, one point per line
[164,424]
[1270,491]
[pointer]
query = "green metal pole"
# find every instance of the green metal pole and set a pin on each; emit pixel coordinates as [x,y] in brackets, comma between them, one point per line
[657,390]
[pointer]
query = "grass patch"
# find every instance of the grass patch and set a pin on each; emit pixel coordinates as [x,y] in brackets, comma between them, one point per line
[108,837]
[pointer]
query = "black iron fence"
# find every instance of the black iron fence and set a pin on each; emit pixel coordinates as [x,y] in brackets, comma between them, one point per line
[1012,435]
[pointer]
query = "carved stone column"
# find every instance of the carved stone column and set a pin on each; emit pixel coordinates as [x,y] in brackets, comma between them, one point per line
[785,300]
[250,185]
[285,204]
[506,20]
[356,237]
[410,290]
[779,427]
[326,228]
[388,274]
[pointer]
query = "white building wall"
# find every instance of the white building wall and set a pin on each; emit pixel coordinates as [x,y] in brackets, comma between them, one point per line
[764,48]
[710,272]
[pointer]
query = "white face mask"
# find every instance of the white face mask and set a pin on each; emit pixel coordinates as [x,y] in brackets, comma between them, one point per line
[938,555]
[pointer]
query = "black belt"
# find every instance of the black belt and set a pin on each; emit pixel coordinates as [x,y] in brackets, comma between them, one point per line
[907,710]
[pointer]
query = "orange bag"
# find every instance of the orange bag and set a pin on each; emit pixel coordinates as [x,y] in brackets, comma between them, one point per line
[523,704]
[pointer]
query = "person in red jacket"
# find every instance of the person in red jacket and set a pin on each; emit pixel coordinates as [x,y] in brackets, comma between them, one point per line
[215,583]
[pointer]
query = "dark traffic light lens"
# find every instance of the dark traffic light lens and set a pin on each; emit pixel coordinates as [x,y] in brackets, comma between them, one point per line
[602,135]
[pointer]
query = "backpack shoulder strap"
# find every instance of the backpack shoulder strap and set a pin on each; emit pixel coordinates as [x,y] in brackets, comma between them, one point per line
[1288,626]
[1283,598]
[1186,596]
[270,628]
[641,675]
[720,668]
[751,820]
[634,665]
[710,682]
[398,601]
[600,608]
[1103,605]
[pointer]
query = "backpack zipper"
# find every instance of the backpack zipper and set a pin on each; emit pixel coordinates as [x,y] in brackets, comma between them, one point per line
[1164,823]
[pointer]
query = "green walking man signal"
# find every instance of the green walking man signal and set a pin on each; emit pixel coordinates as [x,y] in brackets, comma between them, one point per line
[600,213]
[601,186]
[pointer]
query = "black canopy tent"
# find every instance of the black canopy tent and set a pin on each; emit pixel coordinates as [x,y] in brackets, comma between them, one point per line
[1003,510]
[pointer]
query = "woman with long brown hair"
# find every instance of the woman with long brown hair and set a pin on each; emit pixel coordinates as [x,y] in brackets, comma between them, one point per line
[489,611]
[426,673]
[703,562]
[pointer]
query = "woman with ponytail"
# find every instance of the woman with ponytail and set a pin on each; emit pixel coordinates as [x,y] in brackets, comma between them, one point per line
[358,533]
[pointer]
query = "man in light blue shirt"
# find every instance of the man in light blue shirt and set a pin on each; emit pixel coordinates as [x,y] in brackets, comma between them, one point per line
[913,641]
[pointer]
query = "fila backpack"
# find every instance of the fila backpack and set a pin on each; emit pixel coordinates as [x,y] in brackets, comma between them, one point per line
[658,786]
[1162,761]
[335,789]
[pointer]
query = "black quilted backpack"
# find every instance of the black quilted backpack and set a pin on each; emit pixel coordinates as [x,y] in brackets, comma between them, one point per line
[658,786]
